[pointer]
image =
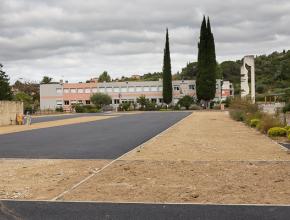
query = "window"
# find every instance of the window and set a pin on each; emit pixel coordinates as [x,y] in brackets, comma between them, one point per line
[138,89]
[66,90]
[116,89]
[59,91]
[80,102]
[176,88]
[73,102]
[116,101]
[154,100]
[123,89]
[191,87]
[161,100]
[88,102]
[154,88]
[146,89]
[102,89]
[66,102]
[80,90]
[59,102]
[87,90]
[109,89]
[131,89]
[94,90]
[160,88]
[73,90]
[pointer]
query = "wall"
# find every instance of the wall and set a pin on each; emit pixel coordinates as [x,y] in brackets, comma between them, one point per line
[49,97]
[8,112]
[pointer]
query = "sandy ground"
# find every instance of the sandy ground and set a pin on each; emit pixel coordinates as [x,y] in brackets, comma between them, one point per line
[206,158]
[42,179]
[19,128]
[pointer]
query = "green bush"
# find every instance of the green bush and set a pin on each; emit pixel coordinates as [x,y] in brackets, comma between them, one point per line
[150,106]
[277,132]
[254,122]
[125,106]
[287,128]
[186,101]
[195,107]
[79,109]
[267,122]
[238,115]
[86,109]
[286,108]
[59,109]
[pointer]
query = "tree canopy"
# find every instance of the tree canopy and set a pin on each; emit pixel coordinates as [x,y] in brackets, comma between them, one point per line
[101,99]
[104,77]
[5,89]
[46,80]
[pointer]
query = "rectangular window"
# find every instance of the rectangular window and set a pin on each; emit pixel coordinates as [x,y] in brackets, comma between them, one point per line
[59,91]
[176,88]
[146,89]
[88,90]
[73,102]
[66,102]
[123,89]
[116,101]
[160,100]
[138,89]
[191,87]
[59,102]
[66,90]
[131,89]
[102,89]
[73,90]
[154,88]
[154,100]
[94,90]
[80,102]
[109,89]
[80,90]
[116,89]
[88,102]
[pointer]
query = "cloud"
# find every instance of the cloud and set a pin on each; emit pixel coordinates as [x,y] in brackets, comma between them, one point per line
[77,40]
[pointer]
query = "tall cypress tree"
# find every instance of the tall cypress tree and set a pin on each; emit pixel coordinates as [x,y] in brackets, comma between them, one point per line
[167,77]
[5,89]
[206,76]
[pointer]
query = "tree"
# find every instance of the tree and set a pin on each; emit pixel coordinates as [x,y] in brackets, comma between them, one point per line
[186,101]
[5,89]
[26,99]
[207,65]
[167,77]
[104,77]
[46,80]
[100,100]
[142,101]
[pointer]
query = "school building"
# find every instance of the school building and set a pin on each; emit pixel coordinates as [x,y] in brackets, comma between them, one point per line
[66,94]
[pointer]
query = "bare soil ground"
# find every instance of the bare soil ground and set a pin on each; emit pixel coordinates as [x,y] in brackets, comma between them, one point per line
[206,158]
[42,179]
[19,128]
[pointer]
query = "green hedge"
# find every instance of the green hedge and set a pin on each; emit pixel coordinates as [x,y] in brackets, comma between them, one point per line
[254,122]
[277,132]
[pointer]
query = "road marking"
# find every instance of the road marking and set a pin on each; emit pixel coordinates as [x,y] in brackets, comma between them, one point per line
[119,158]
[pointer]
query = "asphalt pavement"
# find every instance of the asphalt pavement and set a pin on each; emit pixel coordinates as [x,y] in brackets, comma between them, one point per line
[103,139]
[11,210]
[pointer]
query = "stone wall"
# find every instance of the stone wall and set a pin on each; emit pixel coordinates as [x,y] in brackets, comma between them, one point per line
[8,112]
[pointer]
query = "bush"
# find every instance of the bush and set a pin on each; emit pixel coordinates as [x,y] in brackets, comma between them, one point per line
[101,99]
[238,115]
[86,109]
[79,109]
[150,106]
[125,106]
[186,101]
[59,109]
[287,128]
[195,107]
[286,108]
[277,132]
[267,122]
[254,122]
[289,137]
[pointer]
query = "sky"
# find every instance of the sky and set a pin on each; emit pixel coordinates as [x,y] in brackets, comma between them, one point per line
[76,40]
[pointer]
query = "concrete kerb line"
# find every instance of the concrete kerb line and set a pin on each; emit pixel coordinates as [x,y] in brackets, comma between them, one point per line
[119,158]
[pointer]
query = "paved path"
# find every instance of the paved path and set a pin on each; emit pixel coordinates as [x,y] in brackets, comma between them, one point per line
[105,139]
[61,117]
[48,210]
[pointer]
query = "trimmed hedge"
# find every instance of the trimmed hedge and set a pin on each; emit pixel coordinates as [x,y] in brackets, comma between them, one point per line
[254,122]
[277,132]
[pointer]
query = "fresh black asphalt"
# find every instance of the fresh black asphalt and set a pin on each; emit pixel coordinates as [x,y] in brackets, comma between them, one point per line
[11,210]
[286,145]
[60,117]
[103,139]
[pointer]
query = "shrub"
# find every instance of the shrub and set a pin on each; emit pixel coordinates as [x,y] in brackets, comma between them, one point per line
[254,122]
[176,107]
[150,106]
[186,101]
[125,106]
[79,108]
[277,132]
[289,137]
[267,122]
[195,107]
[59,109]
[142,101]
[286,108]
[237,115]
[101,99]
[287,128]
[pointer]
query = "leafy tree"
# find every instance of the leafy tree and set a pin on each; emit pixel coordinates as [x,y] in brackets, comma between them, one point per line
[26,99]
[104,77]
[46,80]
[100,100]
[207,65]
[142,101]
[167,77]
[186,101]
[5,89]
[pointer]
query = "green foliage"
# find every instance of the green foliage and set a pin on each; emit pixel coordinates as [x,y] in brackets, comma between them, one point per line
[207,65]
[101,99]
[238,115]
[267,122]
[5,89]
[104,77]
[195,107]
[254,122]
[86,109]
[287,128]
[26,99]
[150,106]
[167,77]
[59,109]
[142,101]
[46,80]
[289,137]
[186,101]
[277,132]
[125,106]
[286,108]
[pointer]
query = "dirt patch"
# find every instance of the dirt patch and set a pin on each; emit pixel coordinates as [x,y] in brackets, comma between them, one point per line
[189,182]
[19,128]
[42,179]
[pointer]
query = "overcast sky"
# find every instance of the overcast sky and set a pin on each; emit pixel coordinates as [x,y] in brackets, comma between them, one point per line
[76,40]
